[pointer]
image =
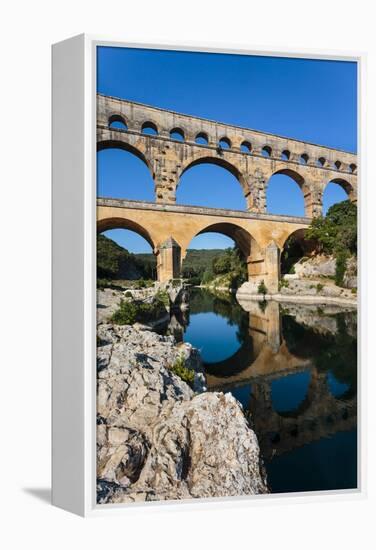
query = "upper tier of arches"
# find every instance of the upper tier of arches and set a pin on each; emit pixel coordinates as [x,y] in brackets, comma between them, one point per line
[246,144]
[171,144]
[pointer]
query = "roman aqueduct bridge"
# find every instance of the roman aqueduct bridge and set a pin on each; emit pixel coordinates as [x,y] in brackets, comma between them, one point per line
[181,141]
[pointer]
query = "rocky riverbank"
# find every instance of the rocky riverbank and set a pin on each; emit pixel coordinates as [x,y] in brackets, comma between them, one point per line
[159,437]
[311,282]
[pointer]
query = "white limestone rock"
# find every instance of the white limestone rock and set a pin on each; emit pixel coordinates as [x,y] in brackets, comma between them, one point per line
[156,440]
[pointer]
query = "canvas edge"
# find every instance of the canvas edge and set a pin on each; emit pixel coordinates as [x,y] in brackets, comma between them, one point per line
[89,507]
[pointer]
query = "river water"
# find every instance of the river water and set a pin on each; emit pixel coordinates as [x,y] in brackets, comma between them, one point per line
[294,370]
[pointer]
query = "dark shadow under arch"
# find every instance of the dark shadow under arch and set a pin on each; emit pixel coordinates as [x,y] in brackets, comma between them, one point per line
[294,248]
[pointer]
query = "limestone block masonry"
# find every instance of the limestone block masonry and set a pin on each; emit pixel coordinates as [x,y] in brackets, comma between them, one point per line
[181,141]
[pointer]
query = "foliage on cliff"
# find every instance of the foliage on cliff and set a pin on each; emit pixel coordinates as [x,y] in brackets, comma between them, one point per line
[197,262]
[115,262]
[336,233]
[229,269]
[337,230]
[130,312]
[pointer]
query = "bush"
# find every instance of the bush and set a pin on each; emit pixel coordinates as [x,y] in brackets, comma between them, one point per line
[319,287]
[182,371]
[129,313]
[336,234]
[341,259]
[143,283]
[207,276]
[163,297]
[292,270]
[353,291]
[128,294]
[103,283]
[283,283]
[262,305]
[126,314]
[261,289]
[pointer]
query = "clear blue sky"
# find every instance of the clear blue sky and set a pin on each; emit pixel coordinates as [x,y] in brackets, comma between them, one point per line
[305,99]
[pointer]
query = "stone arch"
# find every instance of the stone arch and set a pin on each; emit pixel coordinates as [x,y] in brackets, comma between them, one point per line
[118,117]
[203,136]
[149,124]
[106,224]
[119,144]
[246,146]
[221,162]
[245,241]
[178,131]
[301,247]
[248,245]
[346,186]
[298,233]
[304,187]
[224,142]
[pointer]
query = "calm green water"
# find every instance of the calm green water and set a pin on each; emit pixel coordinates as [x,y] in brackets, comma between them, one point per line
[294,372]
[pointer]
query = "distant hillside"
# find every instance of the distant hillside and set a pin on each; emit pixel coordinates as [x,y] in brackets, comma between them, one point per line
[115,262]
[195,262]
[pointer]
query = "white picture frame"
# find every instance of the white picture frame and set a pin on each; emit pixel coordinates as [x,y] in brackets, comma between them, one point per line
[74,277]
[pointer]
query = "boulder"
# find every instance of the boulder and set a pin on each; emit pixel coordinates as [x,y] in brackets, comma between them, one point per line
[156,439]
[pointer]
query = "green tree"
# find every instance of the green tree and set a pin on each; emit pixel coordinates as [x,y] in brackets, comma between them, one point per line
[336,234]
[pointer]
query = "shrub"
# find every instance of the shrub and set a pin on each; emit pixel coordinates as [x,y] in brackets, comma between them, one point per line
[103,283]
[182,371]
[262,305]
[319,287]
[341,259]
[143,283]
[126,314]
[207,276]
[129,313]
[128,294]
[261,289]
[283,283]
[353,291]
[292,270]
[163,297]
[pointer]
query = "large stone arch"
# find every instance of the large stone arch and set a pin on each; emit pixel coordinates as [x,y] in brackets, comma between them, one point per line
[300,180]
[346,185]
[245,241]
[113,143]
[303,245]
[252,252]
[105,224]
[218,160]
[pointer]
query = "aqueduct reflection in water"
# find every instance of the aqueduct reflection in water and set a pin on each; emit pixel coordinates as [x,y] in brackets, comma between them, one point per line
[302,351]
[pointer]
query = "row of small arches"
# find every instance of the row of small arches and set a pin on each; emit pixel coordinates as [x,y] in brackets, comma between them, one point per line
[177,134]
